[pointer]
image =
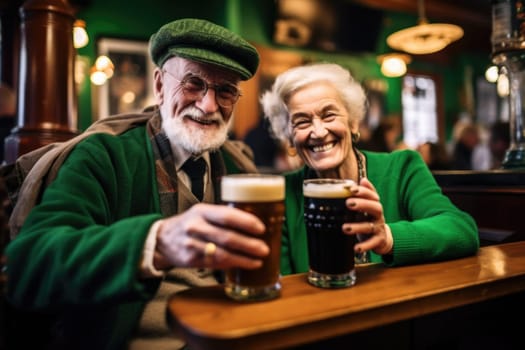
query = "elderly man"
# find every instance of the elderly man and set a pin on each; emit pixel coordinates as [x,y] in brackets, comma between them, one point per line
[129,217]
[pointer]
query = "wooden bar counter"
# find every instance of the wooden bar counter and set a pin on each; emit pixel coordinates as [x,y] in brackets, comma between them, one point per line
[382,297]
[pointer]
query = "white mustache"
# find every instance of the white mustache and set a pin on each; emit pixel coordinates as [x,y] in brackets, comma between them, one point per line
[198,115]
[193,138]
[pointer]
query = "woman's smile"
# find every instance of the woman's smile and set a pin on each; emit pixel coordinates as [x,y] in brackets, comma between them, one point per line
[325,147]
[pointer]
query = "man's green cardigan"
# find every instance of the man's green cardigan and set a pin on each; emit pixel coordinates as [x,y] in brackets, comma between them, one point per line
[74,265]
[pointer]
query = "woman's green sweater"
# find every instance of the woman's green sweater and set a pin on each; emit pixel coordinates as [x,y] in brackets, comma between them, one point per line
[425,225]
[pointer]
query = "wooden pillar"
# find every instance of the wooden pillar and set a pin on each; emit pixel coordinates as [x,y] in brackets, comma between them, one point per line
[47,101]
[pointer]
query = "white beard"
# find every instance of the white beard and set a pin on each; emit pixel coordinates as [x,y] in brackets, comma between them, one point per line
[192,138]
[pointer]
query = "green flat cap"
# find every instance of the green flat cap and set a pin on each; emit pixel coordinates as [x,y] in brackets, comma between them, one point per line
[205,42]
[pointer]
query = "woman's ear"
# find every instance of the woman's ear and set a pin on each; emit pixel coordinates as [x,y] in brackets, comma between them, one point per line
[354,126]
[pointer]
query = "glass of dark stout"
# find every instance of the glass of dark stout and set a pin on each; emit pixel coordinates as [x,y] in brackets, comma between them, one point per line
[330,251]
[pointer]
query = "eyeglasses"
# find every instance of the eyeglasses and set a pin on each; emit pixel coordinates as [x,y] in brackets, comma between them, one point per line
[195,88]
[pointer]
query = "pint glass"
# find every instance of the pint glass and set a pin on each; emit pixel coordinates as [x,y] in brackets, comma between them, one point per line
[330,251]
[263,196]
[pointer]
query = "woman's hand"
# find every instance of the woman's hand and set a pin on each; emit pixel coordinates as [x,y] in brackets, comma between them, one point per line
[373,234]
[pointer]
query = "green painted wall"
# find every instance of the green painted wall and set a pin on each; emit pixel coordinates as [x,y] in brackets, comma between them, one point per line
[254,20]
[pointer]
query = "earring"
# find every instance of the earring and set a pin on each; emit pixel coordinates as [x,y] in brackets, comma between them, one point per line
[355,137]
[291,151]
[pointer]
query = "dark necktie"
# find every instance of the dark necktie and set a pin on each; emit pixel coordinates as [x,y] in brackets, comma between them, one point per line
[195,169]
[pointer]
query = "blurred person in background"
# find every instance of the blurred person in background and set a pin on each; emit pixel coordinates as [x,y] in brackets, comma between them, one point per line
[264,147]
[468,138]
[270,155]
[499,143]
[435,155]
[490,153]
[385,136]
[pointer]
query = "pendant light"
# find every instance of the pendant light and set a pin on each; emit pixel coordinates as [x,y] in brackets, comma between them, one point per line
[394,64]
[424,38]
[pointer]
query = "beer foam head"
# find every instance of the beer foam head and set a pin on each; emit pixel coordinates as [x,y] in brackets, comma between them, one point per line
[252,188]
[327,188]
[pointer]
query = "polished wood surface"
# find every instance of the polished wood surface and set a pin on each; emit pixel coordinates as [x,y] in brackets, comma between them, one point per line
[381,296]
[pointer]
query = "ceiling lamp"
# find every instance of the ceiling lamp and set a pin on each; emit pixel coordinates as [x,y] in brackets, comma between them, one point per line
[394,64]
[425,38]
[80,36]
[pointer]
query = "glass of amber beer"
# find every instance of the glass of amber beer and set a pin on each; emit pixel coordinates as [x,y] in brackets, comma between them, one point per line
[330,251]
[263,196]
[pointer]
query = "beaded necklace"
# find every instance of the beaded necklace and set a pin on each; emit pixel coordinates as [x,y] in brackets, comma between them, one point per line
[360,167]
[363,257]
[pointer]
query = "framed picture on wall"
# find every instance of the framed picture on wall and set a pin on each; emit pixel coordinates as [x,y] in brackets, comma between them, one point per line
[130,89]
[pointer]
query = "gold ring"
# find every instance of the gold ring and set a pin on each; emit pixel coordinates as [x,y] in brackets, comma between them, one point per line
[372,227]
[209,252]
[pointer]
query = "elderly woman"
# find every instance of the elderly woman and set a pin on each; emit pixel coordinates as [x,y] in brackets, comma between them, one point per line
[316,110]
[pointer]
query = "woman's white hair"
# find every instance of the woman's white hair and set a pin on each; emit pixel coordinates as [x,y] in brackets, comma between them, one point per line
[274,101]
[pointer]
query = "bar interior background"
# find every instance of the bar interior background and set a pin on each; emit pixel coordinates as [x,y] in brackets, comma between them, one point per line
[356,42]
